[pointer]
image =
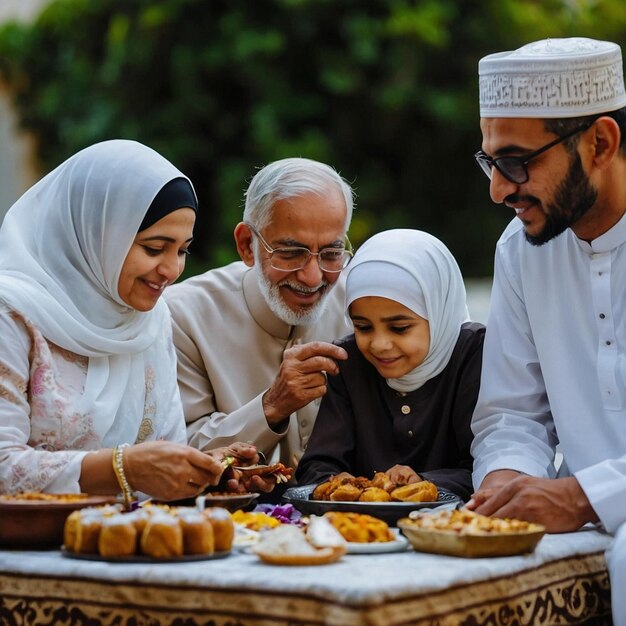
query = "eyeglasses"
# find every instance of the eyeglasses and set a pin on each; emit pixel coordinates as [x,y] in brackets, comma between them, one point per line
[293,258]
[515,169]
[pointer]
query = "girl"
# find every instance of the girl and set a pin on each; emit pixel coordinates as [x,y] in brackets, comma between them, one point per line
[403,400]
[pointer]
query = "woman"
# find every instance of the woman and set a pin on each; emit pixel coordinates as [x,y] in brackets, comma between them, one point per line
[403,400]
[87,365]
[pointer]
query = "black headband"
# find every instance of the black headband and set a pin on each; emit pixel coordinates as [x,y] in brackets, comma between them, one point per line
[177,194]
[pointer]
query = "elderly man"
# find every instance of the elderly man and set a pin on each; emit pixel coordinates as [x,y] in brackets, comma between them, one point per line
[554,367]
[253,337]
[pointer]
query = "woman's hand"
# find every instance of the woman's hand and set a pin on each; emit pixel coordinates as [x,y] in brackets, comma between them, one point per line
[403,475]
[170,471]
[245,454]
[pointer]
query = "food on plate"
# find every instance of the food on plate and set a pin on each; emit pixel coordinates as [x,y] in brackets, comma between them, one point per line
[346,493]
[255,521]
[162,537]
[244,537]
[81,530]
[424,491]
[322,534]
[198,537]
[158,531]
[468,534]
[263,517]
[374,494]
[44,497]
[378,489]
[360,528]
[117,537]
[87,535]
[228,500]
[223,527]
[464,521]
[284,513]
[289,545]
[281,472]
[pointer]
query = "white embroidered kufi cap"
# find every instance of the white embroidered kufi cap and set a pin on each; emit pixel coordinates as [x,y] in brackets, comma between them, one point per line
[553,78]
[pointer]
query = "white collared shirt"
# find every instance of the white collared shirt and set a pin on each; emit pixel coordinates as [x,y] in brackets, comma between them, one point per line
[554,365]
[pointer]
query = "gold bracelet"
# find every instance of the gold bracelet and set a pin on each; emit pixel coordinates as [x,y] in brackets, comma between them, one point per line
[118,467]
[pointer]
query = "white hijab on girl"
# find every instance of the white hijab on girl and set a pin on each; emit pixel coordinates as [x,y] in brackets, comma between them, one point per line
[418,271]
[62,247]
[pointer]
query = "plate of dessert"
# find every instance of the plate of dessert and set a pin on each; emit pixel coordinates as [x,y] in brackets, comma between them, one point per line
[464,533]
[152,533]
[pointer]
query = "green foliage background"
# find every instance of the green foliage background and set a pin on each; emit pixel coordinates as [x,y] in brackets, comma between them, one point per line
[384,90]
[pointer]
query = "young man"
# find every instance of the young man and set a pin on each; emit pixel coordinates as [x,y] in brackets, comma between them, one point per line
[554,366]
[253,337]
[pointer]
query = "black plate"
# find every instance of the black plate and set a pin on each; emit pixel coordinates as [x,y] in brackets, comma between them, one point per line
[389,512]
[142,558]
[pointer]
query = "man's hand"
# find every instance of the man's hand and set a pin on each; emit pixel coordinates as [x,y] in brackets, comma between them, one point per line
[301,378]
[559,504]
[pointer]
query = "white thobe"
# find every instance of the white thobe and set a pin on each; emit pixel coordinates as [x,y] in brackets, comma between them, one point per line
[554,365]
[230,346]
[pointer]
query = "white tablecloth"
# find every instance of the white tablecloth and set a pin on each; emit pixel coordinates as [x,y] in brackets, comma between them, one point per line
[385,589]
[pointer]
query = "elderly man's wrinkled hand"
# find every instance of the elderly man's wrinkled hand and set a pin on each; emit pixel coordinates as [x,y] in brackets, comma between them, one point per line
[301,378]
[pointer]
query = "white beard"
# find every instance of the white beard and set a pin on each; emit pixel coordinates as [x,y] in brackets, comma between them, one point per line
[302,317]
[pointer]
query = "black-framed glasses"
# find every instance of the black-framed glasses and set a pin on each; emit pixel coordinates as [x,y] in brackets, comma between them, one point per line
[293,258]
[514,168]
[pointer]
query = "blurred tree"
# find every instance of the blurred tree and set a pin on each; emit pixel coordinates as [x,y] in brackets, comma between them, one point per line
[384,90]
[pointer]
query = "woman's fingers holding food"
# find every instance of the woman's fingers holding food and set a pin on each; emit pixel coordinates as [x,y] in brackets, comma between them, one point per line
[169,471]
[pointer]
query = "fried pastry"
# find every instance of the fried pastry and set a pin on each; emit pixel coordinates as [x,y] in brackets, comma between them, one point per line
[374,494]
[323,491]
[198,537]
[70,529]
[379,489]
[423,491]
[223,527]
[118,536]
[346,493]
[382,481]
[162,537]
[359,527]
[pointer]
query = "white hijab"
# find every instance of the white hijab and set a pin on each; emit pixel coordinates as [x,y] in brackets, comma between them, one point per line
[418,271]
[62,247]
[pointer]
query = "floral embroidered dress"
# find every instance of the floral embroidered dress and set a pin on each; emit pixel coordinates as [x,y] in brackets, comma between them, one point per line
[44,434]
[81,369]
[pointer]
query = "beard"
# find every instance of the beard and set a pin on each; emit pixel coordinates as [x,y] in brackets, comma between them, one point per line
[304,316]
[574,196]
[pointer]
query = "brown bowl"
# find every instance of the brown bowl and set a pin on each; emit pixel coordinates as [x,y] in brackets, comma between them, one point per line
[35,524]
[471,545]
[231,502]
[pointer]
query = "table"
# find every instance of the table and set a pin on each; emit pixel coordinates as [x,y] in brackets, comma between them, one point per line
[564,581]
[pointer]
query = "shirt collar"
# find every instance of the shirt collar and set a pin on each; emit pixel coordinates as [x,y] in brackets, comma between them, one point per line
[609,240]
